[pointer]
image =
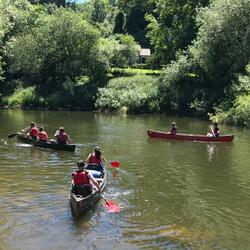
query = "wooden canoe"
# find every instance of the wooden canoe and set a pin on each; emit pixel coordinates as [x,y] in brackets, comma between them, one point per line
[79,204]
[179,136]
[53,145]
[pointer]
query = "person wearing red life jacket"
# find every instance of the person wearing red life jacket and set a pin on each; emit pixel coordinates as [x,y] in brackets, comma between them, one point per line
[82,181]
[173,129]
[31,131]
[95,157]
[61,136]
[42,135]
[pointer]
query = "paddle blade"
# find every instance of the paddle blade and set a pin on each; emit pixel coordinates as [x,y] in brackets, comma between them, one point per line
[12,135]
[115,164]
[112,207]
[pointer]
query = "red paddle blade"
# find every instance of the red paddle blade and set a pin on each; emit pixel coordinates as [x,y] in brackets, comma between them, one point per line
[112,207]
[115,164]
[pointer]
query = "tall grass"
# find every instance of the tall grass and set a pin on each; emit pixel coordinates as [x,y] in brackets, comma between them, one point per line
[25,98]
[134,94]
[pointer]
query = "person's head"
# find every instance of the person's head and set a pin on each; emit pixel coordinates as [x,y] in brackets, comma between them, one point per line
[41,129]
[80,165]
[61,129]
[32,124]
[173,124]
[98,151]
[215,124]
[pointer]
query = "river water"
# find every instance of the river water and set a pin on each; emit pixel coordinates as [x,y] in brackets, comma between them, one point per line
[172,194]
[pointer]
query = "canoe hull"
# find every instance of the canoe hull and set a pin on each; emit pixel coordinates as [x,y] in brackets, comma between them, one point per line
[166,135]
[67,147]
[81,205]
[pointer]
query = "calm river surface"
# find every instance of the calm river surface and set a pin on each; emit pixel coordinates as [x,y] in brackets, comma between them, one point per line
[172,194]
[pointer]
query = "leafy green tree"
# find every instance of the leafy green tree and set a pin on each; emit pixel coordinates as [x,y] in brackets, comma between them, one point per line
[125,51]
[57,2]
[119,23]
[99,11]
[199,79]
[222,47]
[172,27]
[62,48]
[135,11]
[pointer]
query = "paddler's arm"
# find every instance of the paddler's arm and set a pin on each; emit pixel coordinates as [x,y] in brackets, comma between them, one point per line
[87,160]
[94,181]
[25,130]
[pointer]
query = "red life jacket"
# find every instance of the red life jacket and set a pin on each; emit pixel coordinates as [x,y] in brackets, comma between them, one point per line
[81,178]
[94,159]
[34,132]
[62,137]
[43,136]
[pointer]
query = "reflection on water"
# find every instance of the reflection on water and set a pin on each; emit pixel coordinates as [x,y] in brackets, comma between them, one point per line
[211,150]
[172,194]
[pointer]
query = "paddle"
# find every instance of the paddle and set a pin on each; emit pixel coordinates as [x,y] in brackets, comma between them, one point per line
[114,164]
[12,135]
[112,207]
[212,131]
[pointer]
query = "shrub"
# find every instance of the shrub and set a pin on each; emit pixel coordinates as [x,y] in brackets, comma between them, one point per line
[25,98]
[239,114]
[136,94]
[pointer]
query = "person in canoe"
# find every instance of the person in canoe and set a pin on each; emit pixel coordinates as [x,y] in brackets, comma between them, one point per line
[173,129]
[42,135]
[96,157]
[31,131]
[215,130]
[61,136]
[83,181]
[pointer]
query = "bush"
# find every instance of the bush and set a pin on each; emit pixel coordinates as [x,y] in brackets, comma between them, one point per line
[136,94]
[25,98]
[239,114]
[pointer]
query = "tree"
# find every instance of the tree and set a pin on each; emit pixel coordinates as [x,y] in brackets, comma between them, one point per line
[57,2]
[172,27]
[119,23]
[135,11]
[199,79]
[99,11]
[125,51]
[62,48]
[222,47]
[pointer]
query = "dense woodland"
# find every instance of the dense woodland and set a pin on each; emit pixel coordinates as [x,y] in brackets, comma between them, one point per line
[59,54]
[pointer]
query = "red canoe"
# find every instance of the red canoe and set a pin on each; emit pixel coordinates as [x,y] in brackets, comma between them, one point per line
[178,136]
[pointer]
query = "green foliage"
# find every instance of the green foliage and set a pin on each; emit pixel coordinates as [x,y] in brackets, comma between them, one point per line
[25,98]
[179,88]
[57,2]
[222,47]
[134,71]
[99,11]
[237,111]
[119,23]
[239,114]
[137,94]
[125,51]
[120,50]
[61,47]
[136,23]
[205,75]
[171,27]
